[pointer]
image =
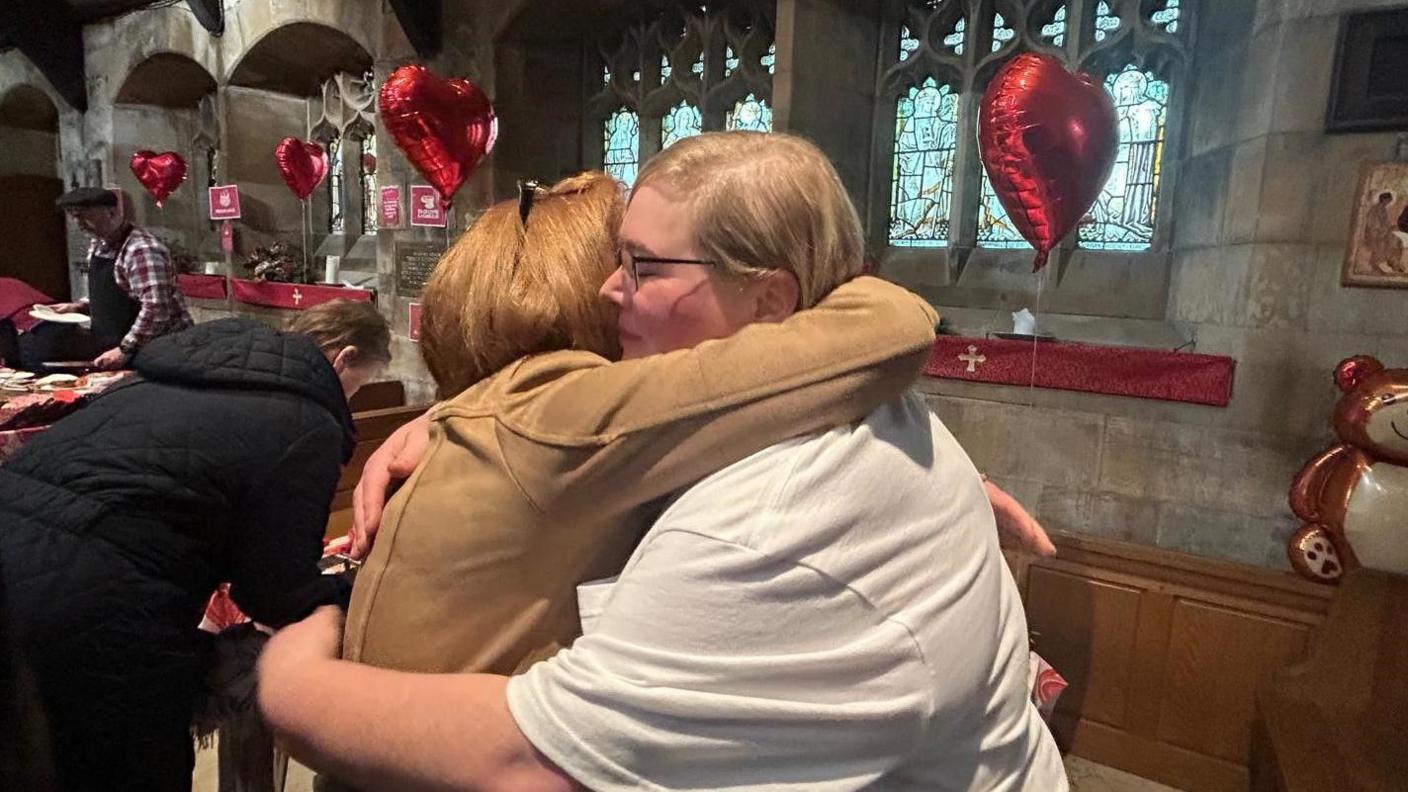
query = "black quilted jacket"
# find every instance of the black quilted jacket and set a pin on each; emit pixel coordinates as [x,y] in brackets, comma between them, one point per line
[218,464]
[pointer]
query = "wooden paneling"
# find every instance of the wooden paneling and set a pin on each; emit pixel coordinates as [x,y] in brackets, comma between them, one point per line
[373,427]
[1164,652]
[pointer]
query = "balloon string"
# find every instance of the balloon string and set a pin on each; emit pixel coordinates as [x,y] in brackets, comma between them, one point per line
[1036,337]
[307,221]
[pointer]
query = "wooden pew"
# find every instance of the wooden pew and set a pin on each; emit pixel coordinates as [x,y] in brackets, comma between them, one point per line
[1339,721]
[378,396]
[373,426]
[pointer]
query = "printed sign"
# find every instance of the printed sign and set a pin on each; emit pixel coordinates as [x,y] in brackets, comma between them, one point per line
[426,210]
[391,208]
[225,202]
[414,326]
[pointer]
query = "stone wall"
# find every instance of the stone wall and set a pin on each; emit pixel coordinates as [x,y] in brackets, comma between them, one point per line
[1262,216]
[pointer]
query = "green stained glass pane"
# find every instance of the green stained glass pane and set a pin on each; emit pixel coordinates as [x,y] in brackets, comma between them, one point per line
[683,120]
[1055,31]
[751,113]
[665,69]
[995,227]
[1105,22]
[954,40]
[337,219]
[1124,213]
[1167,17]
[1001,34]
[621,143]
[770,59]
[730,61]
[908,43]
[926,140]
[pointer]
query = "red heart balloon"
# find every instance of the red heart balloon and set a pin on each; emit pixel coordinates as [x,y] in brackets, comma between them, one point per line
[445,127]
[1048,140]
[160,173]
[303,165]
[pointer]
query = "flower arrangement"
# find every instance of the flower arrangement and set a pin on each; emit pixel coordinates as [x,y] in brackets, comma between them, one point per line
[280,262]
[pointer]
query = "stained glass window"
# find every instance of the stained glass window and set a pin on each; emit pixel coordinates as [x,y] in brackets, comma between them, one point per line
[770,59]
[1001,34]
[954,40]
[1105,22]
[337,223]
[683,120]
[606,75]
[1123,215]
[621,139]
[730,61]
[1167,17]
[665,69]
[926,141]
[908,43]
[367,173]
[698,67]
[1055,31]
[751,113]
[995,228]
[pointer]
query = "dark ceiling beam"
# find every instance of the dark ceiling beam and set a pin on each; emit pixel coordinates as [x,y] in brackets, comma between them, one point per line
[210,14]
[423,21]
[46,33]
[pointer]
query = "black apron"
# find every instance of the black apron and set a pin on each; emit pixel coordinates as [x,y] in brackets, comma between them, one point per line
[113,310]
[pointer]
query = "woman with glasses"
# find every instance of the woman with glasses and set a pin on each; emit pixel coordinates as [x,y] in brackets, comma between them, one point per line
[741,323]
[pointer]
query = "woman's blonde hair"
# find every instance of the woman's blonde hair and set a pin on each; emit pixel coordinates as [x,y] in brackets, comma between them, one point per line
[511,288]
[343,323]
[763,202]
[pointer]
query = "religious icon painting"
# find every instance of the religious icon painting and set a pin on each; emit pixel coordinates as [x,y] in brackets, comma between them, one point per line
[1378,235]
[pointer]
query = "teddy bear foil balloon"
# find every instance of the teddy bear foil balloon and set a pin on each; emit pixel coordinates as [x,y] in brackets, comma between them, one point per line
[1353,496]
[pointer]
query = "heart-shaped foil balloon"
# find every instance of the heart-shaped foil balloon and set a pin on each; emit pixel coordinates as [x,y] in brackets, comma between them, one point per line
[303,165]
[1048,139]
[160,173]
[445,127]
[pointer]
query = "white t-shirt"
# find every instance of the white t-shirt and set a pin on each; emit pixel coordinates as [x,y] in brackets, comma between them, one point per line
[832,613]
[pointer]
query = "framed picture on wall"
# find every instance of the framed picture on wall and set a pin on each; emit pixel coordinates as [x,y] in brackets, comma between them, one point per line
[1371,59]
[1378,235]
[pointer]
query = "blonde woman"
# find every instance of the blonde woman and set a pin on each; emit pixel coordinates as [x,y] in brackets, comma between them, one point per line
[783,624]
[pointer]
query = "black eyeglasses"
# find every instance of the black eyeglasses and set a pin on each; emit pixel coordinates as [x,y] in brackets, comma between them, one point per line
[630,264]
[527,190]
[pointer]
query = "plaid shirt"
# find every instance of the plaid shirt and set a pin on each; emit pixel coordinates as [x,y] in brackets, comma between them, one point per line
[145,272]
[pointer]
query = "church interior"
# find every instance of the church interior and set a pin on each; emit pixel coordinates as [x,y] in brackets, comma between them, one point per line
[1168,394]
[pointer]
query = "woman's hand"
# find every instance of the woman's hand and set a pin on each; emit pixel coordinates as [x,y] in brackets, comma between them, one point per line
[388,466]
[1015,525]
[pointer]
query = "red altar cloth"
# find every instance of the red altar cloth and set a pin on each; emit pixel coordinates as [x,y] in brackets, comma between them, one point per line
[202,287]
[294,296]
[1089,368]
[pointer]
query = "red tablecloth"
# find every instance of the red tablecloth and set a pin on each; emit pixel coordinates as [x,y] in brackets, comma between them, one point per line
[294,296]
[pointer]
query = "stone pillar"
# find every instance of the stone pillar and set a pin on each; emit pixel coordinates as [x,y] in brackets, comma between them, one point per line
[824,86]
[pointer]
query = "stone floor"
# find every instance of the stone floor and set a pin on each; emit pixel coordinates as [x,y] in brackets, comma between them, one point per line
[1085,777]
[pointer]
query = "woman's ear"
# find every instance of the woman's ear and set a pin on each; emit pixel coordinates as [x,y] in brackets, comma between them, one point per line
[777,297]
[345,357]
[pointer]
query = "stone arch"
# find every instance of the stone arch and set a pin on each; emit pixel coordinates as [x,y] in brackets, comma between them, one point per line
[166,79]
[296,58]
[159,36]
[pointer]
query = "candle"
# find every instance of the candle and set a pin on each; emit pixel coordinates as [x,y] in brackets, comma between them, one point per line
[330,273]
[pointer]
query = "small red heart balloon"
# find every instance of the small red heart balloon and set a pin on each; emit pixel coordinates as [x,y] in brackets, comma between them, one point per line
[1048,140]
[160,173]
[303,165]
[445,127]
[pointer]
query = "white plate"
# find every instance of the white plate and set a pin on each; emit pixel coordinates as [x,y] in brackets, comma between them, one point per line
[46,314]
[62,380]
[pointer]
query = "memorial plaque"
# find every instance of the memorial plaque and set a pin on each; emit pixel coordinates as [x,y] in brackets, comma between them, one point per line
[415,261]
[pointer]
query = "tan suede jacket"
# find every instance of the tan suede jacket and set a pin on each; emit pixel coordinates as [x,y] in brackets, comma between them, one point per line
[547,474]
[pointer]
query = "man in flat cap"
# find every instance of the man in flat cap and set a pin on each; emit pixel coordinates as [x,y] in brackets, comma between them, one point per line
[132,295]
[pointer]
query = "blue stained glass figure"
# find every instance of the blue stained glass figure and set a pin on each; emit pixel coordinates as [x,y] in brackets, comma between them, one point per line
[337,220]
[1001,34]
[750,113]
[621,142]
[1123,215]
[770,59]
[1055,31]
[954,40]
[1105,22]
[995,227]
[665,69]
[683,120]
[908,43]
[730,61]
[1167,17]
[926,141]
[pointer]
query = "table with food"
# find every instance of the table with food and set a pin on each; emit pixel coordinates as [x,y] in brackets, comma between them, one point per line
[30,403]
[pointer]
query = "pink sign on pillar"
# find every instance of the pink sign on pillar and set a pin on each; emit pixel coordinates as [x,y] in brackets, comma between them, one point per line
[225,202]
[391,208]
[414,326]
[426,209]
